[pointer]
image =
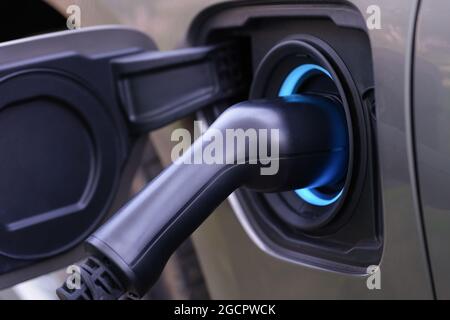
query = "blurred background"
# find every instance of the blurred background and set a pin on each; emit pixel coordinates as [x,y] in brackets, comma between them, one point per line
[165,20]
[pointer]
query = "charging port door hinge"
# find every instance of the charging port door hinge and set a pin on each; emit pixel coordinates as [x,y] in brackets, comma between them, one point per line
[157,88]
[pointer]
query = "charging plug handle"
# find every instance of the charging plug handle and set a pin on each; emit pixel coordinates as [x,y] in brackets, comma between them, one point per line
[313,150]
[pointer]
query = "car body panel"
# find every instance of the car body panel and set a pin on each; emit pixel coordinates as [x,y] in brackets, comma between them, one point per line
[431,112]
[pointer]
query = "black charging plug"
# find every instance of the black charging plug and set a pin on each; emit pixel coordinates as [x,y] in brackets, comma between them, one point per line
[312,150]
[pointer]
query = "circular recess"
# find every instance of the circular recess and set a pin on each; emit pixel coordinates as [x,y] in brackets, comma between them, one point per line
[59,163]
[285,224]
[295,83]
[294,67]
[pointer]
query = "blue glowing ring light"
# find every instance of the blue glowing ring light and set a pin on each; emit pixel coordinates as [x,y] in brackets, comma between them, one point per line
[289,86]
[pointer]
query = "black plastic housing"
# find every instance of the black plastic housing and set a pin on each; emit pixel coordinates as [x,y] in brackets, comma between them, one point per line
[72,111]
[350,238]
[63,138]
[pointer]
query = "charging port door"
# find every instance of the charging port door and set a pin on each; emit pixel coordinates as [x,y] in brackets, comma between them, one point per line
[72,108]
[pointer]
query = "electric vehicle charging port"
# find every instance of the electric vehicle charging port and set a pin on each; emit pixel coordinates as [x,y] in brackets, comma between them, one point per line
[293,67]
[298,49]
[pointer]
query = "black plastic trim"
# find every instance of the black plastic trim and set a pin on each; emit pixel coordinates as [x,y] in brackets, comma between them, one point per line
[157,88]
